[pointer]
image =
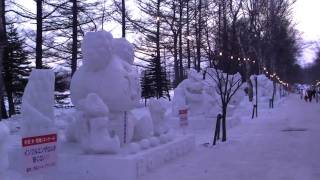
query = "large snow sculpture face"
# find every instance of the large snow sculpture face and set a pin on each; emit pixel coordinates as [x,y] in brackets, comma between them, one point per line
[97,50]
[107,71]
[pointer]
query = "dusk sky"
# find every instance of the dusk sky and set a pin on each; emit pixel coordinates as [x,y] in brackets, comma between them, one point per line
[306,14]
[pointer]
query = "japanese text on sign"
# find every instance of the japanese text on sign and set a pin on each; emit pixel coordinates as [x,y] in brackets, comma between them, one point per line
[40,152]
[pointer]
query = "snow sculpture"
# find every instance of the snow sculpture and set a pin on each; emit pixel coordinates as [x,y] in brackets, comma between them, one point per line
[265,88]
[38,101]
[158,109]
[4,162]
[193,94]
[189,94]
[107,71]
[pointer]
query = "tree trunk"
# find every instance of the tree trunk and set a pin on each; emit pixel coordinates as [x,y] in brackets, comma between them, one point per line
[8,83]
[224,123]
[3,110]
[39,39]
[123,9]
[274,90]
[7,68]
[158,62]
[180,42]
[250,89]
[74,37]
[256,85]
[188,36]
[175,59]
[199,37]
[3,43]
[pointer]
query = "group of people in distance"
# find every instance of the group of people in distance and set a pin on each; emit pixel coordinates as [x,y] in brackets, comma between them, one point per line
[310,93]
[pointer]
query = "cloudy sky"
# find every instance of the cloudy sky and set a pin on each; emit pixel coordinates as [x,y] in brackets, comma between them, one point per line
[306,15]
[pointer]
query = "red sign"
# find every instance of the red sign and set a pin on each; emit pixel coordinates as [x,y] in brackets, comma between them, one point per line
[40,152]
[30,141]
[183,114]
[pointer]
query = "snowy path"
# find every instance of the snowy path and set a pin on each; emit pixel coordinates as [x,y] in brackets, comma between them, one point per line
[283,144]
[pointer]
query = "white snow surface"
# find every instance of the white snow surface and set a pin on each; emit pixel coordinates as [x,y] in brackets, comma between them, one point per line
[280,144]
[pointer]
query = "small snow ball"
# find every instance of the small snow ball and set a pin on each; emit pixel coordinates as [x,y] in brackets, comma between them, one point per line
[134,148]
[154,141]
[144,143]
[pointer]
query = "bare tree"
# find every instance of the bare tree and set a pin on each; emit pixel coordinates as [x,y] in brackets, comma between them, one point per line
[3,43]
[226,86]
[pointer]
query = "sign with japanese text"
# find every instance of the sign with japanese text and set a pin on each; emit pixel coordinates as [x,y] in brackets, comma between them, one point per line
[40,152]
[183,114]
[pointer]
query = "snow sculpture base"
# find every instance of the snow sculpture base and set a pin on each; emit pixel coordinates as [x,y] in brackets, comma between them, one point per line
[123,167]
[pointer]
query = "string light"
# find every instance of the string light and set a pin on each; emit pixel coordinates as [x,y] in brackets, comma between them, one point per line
[268,73]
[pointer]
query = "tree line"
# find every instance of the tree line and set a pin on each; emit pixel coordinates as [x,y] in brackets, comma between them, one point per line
[170,38]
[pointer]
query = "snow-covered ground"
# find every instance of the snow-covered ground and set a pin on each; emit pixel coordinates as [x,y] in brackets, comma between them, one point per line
[282,144]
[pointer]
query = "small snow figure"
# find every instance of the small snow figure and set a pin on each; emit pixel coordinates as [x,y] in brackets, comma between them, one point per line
[158,109]
[93,125]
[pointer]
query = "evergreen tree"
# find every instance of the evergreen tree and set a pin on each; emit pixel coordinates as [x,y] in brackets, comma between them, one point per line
[147,90]
[16,68]
[157,79]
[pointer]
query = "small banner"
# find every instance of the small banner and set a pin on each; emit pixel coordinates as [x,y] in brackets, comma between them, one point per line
[39,152]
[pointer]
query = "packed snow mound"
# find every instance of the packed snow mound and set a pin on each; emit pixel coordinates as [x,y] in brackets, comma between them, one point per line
[91,127]
[4,162]
[38,101]
[106,73]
